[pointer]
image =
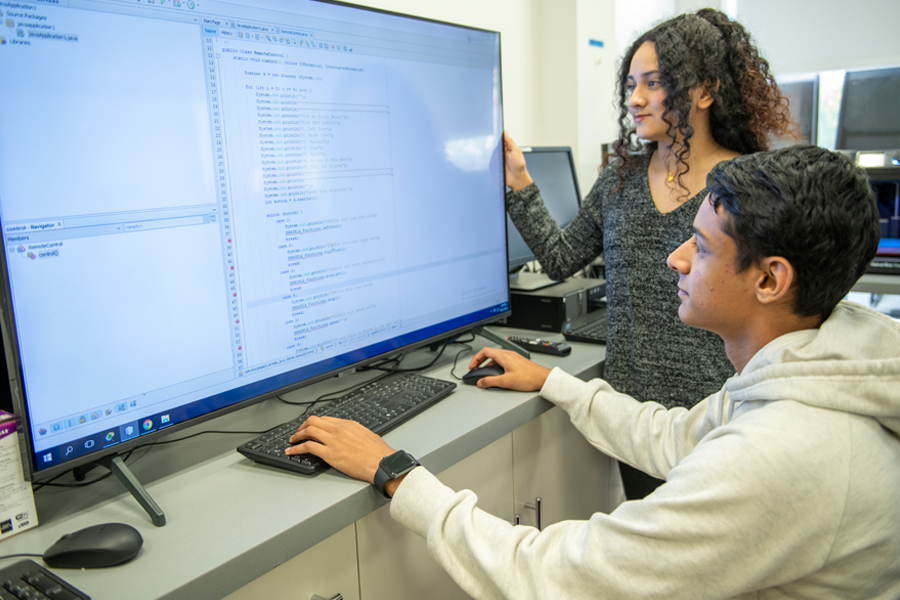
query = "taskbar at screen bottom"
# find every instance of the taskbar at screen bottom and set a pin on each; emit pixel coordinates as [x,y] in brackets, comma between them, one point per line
[100,441]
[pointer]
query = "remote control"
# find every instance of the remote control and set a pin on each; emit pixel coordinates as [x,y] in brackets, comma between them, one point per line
[541,346]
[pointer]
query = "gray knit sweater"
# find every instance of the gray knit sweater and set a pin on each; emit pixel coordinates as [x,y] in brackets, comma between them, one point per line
[651,355]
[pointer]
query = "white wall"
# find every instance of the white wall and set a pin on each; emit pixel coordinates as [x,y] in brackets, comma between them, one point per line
[574,77]
[556,69]
[634,18]
[800,36]
[596,111]
[796,36]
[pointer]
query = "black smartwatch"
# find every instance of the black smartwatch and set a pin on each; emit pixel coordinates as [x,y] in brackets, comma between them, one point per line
[393,466]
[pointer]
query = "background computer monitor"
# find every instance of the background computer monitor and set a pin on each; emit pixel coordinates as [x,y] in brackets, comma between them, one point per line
[869,118]
[802,91]
[887,192]
[204,205]
[553,170]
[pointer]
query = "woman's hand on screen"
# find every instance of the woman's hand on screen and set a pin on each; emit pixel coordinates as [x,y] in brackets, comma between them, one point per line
[517,176]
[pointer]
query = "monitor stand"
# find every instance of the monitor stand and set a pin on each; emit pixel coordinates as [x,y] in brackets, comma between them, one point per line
[117,467]
[529,282]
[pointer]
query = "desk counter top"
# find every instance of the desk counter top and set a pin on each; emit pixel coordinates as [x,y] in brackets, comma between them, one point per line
[231,520]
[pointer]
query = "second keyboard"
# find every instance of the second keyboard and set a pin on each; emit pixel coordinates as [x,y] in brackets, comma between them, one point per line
[591,328]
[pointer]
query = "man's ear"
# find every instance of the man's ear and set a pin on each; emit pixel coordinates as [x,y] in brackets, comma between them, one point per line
[777,275]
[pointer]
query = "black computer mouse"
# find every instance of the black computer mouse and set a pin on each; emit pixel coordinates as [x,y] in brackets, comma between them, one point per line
[491,370]
[94,547]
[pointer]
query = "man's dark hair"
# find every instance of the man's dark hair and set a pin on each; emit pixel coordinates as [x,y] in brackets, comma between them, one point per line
[809,205]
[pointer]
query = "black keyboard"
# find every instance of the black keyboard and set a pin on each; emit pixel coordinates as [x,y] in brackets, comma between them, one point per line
[27,580]
[590,328]
[381,406]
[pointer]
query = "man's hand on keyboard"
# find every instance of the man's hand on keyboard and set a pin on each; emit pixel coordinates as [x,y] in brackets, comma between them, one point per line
[519,373]
[345,445]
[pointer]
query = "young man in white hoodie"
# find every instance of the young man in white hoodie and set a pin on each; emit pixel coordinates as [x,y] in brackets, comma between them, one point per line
[785,484]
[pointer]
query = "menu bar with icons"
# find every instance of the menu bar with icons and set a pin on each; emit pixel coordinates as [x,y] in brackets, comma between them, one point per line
[183,4]
[107,438]
[273,35]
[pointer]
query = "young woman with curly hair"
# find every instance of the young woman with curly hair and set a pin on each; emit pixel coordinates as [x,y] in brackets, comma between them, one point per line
[692,92]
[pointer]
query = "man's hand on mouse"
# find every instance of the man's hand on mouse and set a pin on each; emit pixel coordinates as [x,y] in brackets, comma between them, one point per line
[345,445]
[521,374]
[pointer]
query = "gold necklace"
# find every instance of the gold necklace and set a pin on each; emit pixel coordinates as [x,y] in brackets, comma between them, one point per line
[671,176]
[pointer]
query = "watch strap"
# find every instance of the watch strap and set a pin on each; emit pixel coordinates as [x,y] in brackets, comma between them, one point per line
[383,474]
[381,478]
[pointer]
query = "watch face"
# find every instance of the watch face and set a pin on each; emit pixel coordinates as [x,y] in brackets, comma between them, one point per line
[399,462]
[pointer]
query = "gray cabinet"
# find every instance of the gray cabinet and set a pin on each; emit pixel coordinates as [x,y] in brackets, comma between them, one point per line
[327,569]
[557,472]
[546,458]
[387,548]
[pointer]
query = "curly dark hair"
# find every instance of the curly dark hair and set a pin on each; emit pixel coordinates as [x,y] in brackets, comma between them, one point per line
[809,205]
[748,108]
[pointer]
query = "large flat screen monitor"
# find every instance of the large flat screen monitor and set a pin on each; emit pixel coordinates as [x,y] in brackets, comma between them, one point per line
[204,204]
[553,170]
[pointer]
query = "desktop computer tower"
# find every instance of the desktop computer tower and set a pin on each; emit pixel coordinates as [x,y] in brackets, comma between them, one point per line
[549,308]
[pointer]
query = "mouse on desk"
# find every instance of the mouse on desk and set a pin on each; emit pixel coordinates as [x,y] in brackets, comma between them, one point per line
[491,370]
[94,547]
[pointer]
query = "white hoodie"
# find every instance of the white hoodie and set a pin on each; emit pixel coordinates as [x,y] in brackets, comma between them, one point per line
[785,484]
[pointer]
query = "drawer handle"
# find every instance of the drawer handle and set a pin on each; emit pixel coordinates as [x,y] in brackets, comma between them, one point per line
[538,508]
[335,597]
